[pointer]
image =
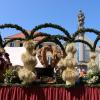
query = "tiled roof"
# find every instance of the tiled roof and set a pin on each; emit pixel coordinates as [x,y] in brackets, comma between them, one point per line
[21,35]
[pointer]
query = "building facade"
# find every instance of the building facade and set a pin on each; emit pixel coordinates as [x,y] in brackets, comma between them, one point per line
[19,43]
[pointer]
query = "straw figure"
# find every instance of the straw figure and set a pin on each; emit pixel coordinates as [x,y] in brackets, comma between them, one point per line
[26,73]
[57,54]
[69,74]
[43,58]
[92,66]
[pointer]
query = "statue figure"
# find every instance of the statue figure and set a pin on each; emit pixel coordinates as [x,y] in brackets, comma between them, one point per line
[81,19]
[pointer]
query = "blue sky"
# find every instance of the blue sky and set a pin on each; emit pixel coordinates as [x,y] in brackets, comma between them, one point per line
[29,13]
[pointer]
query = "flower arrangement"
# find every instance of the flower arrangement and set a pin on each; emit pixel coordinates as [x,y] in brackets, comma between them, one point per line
[10,76]
[92,78]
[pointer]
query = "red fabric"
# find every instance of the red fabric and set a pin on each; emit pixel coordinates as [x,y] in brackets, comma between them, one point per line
[49,93]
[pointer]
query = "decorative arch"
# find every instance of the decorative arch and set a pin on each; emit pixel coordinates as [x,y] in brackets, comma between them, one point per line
[84,30]
[52,39]
[47,25]
[17,27]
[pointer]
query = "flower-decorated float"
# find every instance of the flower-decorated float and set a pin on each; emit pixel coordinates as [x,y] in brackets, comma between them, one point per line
[62,61]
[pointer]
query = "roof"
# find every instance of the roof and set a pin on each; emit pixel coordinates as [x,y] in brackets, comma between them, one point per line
[21,35]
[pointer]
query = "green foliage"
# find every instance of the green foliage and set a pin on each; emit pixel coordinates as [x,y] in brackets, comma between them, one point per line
[17,27]
[68,38]
[51,39]
[95,42]
[92,78]
[10,75]
[47,25]
[1,41]
[84,42]
[84,30]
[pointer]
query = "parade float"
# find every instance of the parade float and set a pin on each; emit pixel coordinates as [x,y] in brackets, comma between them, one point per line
[59,78]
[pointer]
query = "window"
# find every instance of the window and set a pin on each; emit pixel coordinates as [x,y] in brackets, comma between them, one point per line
[12,44]
[87,55]
[49,60]
[49,57]
[21,44]
[40,46]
